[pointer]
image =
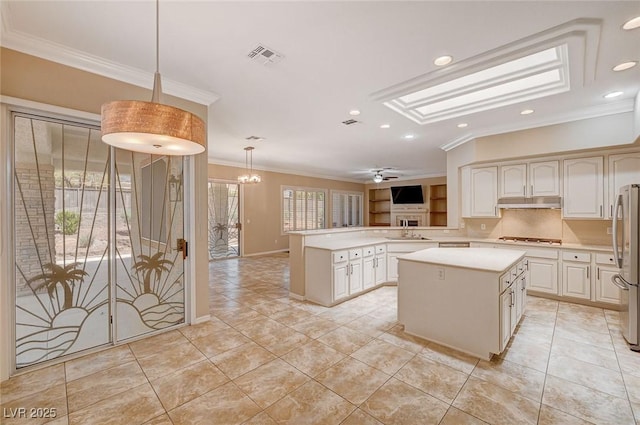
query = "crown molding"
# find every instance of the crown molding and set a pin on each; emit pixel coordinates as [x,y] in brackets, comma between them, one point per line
[59,53]
[620,107]
[284,171]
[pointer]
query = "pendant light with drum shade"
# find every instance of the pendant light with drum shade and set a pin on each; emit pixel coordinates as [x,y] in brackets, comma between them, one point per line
[249,176]
[152,127]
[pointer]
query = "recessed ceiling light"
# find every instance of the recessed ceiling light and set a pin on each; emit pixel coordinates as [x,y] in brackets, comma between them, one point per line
[385,126]
[526,112]
[625,65]
[409,136]
[462,125]
[613,94]
[354,112]
[632,23]
[442,60]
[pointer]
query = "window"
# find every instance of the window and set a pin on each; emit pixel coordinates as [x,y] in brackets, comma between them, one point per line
[346,209]
[153,211]
[303,209]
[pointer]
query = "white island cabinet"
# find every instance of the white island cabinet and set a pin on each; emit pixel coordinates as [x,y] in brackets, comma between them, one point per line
[469,299]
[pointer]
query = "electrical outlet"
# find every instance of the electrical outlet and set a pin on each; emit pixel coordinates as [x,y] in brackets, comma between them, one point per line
[483,226]
[440,274]
[445,231]
[609,230]
[275,242]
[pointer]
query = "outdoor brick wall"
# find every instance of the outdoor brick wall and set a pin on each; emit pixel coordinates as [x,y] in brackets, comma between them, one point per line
[34,222]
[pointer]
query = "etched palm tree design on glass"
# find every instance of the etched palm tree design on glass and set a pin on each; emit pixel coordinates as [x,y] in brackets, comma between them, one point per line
[149,273]
[223,219]
[60,277]
[61,233]
[149,265]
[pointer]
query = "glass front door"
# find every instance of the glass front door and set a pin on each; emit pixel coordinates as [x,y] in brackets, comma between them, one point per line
[95,233]
[224,221]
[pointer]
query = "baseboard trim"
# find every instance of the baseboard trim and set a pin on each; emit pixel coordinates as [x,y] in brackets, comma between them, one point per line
[296,296]
[201,319]
[278,251]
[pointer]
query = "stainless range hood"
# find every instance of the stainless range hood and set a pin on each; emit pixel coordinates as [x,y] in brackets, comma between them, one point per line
[549,202]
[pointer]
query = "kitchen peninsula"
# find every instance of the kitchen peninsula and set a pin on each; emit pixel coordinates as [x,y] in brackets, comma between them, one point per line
[469,299]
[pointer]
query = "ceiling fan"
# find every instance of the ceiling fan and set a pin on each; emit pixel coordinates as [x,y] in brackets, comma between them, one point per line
[379,178]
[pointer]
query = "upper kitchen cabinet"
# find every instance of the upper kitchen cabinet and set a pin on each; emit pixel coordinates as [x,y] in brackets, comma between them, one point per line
[544,179]
[583,188]
[532,179]
[624,169]
[513,181]
[483,192]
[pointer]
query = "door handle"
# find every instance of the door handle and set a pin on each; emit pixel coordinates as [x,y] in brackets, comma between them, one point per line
[182,245]
[619,282]
[614,231]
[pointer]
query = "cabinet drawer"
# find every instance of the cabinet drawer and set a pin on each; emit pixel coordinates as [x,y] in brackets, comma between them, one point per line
[520,267]
[354,254]
[514,273]
[340,256]
[381,249]
[583,257]
[505,281]
[605,259]
[543,253]
[368,251]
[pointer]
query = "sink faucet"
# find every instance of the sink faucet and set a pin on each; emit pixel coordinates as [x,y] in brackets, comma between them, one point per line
[405,228]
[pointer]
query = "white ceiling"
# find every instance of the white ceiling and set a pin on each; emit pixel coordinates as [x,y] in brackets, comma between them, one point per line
[338,56]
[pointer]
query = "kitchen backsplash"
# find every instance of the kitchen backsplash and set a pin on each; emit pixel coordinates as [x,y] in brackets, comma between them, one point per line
[540,223]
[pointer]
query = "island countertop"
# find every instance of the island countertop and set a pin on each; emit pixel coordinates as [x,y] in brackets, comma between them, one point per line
[489,259]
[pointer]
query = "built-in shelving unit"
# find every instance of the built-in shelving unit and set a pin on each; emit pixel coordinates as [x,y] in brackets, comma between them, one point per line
[438,205]
[380,207]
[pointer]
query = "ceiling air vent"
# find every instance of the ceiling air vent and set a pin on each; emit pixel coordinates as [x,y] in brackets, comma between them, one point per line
[265,55]
[257,138]
[350,122]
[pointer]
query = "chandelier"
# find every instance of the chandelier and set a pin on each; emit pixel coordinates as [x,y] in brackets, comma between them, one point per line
[249,176]
[152,127]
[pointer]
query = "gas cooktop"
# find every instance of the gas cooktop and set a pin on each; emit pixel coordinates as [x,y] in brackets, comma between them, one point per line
[547,241]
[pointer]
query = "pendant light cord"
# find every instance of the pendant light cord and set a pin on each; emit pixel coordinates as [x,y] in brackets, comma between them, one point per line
[157,84]
[158,36]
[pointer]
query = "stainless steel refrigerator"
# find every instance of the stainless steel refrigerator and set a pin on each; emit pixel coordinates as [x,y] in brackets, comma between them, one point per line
[626,232]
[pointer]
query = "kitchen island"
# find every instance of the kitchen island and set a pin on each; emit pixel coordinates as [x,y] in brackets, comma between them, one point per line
[469,299]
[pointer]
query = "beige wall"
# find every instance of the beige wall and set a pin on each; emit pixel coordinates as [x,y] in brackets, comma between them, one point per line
[261,204]
[594,133]
[34,79]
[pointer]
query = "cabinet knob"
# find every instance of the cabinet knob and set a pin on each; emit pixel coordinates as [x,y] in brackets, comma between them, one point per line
[575,256]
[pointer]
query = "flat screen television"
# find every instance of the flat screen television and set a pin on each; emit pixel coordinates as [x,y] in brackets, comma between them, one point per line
[407,194]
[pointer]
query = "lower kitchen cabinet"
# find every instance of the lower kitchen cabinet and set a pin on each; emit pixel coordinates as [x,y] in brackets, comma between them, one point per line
[340,280]
[333,276]
[512,302]
[355,271]
[543,274]
[505,318]
[605,291]
[576,274]
[380,265]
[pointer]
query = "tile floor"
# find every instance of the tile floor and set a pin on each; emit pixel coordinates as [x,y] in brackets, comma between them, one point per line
[266,359]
